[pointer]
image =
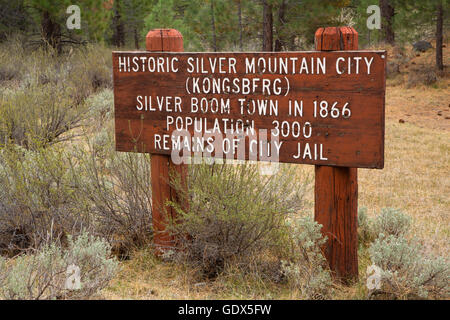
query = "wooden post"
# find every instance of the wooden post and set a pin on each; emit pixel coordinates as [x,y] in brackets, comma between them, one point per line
[161,165]
[336,188]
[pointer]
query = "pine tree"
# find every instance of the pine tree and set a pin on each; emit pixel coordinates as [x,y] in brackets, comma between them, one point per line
[439,34]
[387,13]
[171,14]
[133,13]
[267,26]
[213,27]
[118,38]
[13,18]
[51,19]
[241,28]
[297,21]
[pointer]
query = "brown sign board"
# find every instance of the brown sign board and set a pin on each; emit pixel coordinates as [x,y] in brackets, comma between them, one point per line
[322,108]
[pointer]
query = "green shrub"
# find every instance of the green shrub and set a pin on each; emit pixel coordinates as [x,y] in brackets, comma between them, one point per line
[43,274]
[116,188]
[101,106]
[38,201]
[48,192]
[308,270]
[8,71]
[89,70]
[40,114]
[391,222]
[234,213]
[10,53]
[407,272]
[48,100]
[86,68]
[53,191]
[421,75]
[365,227]
[2,267]
[92,256]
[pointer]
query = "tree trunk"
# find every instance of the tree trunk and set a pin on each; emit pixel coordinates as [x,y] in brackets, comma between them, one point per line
[439,36]
[280,42]
[291,43]
[241,45]
[387,13]
[118,38]
[213,26]
[267,27]
[136,39]
[51,31]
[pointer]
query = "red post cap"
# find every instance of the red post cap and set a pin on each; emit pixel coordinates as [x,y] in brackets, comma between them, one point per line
[164,40]
[336,38]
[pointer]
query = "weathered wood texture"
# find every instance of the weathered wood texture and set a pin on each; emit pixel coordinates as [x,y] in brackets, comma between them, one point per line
[357,141]
[161,165]
[336,188]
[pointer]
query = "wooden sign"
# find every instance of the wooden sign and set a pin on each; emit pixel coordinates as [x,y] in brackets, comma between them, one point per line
[323,108]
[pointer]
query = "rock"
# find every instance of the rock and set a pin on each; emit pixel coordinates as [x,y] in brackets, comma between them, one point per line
[422,46]
[200,284]
[439,113]
[401,121]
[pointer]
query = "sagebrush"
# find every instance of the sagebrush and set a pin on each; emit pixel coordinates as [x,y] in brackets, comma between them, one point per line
[43,274]
[234,212]
[407,271]
[307,270]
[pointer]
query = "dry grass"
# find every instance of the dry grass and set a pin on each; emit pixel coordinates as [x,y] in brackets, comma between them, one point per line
[417,162]
[146,277]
